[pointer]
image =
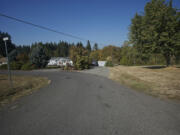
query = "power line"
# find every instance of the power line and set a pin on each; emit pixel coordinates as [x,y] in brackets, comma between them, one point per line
[45,28]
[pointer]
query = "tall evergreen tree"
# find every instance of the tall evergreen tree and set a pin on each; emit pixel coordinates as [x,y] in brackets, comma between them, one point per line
[80,44]
[39,57]
[157,31]
[95,47]
[88,46]
[136,30]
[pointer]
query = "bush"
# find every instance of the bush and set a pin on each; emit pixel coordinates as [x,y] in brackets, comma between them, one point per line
[27,66]
[109,64]
[67,67]
[16,65]
[22,57]
[13,66]
[4,66]
[82,62]
[80,57]
[52,67]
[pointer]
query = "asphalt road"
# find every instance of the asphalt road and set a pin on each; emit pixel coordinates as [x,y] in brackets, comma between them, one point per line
[83,104]
[100,71]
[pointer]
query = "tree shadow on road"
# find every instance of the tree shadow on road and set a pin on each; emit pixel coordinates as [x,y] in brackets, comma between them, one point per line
[154,67]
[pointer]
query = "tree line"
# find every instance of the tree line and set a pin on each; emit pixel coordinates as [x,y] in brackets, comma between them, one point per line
[157,31]
[154,39]
[38,54]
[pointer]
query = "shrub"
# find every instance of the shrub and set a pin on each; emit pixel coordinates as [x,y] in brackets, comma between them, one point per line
[52,67]
[13,66]
[109,64]
[4,66]
[80,57]
[82,62]
[27,66]
[16,65]
[22,57]
[67,67]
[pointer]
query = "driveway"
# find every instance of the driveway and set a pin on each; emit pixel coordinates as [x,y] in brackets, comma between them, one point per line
[84,104]
[100,71]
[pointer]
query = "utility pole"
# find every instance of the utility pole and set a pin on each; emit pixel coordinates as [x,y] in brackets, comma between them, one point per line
[5,39]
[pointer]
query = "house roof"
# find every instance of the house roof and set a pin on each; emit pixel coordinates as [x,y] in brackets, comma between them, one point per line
[59,58]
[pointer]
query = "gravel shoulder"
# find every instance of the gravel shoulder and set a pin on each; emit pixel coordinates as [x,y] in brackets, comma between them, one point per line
[99,71]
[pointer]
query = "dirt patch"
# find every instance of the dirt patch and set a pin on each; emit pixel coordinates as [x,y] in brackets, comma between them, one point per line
[161,82]
[22,85]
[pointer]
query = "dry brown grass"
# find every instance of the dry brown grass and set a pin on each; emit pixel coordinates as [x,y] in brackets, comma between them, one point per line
[22,85]
[161,82]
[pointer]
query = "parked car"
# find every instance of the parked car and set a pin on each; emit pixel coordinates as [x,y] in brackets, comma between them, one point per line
[94,63]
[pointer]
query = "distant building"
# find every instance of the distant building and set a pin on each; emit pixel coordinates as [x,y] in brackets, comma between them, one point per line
[101,63]
[3,61]
[60,61]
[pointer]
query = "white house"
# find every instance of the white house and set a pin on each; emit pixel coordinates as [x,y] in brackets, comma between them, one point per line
[101,63]
[60,61]
[53,61]
[64,61]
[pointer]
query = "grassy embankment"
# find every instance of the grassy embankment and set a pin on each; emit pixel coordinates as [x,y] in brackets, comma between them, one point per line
[22,85]
[157,81]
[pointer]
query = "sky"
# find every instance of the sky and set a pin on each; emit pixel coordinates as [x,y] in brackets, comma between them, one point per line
[103,21]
